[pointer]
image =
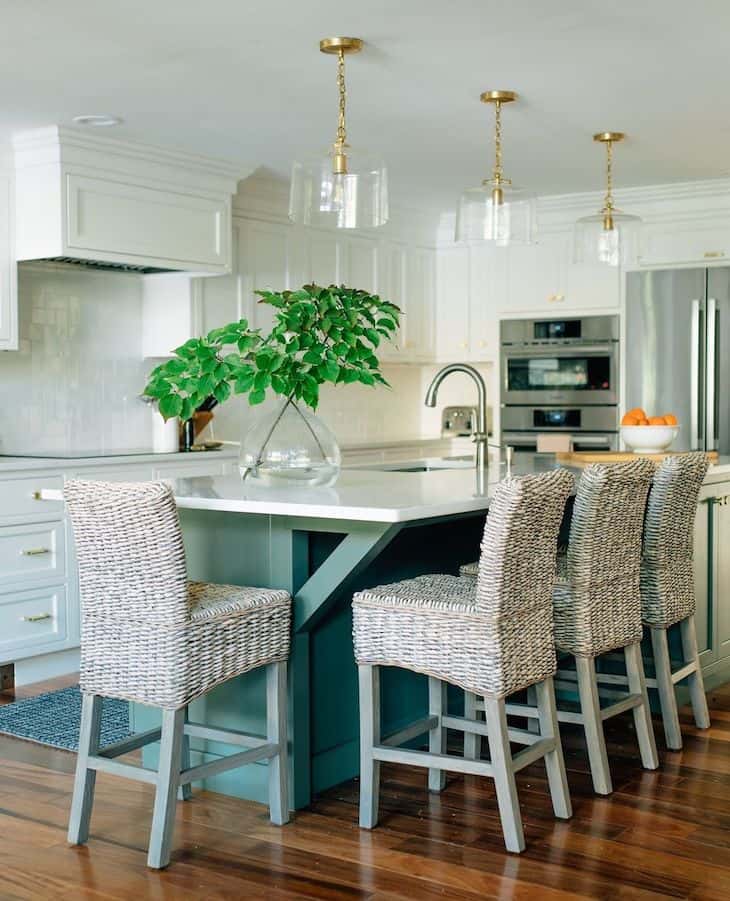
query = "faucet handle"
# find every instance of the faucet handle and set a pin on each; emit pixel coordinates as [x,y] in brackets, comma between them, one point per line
[480,436]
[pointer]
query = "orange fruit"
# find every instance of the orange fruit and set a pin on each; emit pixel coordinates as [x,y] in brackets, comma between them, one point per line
[643,421]
[670,419]
[629,419]
[637,412]
[657,420]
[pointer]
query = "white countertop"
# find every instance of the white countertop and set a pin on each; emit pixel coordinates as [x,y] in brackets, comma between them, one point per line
[368,495]
[14,464]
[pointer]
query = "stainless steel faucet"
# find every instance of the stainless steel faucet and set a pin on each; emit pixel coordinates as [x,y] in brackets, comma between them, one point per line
[480,436]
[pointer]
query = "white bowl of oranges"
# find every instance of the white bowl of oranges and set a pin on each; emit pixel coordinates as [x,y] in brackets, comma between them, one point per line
[648,434]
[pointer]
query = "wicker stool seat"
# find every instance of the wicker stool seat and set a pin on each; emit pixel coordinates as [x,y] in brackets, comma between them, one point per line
[433,625]
[150,636]
[491,636]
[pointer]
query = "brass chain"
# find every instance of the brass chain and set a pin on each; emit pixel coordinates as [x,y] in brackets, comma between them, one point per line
[498,172]
[341,138]
[609,177]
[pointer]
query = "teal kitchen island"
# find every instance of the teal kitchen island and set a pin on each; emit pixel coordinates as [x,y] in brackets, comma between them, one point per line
[372,527]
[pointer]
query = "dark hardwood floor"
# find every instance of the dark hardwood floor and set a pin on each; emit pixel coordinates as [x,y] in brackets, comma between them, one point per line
[660,835]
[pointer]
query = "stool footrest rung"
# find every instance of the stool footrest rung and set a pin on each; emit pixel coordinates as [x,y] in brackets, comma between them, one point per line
[138,740]
[433,761]
[233,761]
[684,671]
[225,736]
[412,731]
[126,770]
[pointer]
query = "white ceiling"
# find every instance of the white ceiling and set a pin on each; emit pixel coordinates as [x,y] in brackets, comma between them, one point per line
[243,79]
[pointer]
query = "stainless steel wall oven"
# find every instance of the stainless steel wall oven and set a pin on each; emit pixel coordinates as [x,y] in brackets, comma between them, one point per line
[560,375]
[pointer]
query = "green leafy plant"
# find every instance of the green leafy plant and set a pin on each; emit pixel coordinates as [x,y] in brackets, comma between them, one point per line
[319,335]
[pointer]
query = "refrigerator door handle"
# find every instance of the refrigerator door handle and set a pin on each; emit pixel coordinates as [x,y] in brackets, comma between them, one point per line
[694,368]
[711,380]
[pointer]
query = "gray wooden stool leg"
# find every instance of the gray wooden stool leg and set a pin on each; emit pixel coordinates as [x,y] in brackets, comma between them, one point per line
[276,732]
[185,792]
[472,741]
[665,688]
[168,774]
[642,713]
[696,683]
[533,725]
[85,779]
[504,776]
[369,680]
[590,707]
[554,761]
[437,735]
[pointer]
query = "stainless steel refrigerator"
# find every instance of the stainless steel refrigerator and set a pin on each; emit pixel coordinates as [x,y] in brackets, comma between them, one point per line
[677,352]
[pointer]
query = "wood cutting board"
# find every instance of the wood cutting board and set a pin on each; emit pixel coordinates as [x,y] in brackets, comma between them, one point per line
[583,458]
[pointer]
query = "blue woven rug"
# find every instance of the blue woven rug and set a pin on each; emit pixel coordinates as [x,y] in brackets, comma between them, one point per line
[55,718]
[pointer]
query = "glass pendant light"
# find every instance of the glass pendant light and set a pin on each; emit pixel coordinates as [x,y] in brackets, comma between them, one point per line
[341,187]
[609,237]
[496,210]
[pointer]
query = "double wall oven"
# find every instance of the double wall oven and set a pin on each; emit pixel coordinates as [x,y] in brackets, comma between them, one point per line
[560,376]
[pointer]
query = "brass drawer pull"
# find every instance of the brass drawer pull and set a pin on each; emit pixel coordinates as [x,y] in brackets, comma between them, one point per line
[36,617]
[35,551]
[556,298]
[714,254]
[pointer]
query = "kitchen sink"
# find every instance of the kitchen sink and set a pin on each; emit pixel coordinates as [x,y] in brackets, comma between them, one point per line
[428,465]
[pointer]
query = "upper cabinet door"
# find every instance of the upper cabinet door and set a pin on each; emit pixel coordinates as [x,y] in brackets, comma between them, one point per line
[8,269]
[267,262]
[420,305]
[542,278]
[674,243]
[452,281]
[487,284]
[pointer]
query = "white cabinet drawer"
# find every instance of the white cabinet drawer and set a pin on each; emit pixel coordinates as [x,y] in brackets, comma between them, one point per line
[27,618]
[20,497]
[31,553]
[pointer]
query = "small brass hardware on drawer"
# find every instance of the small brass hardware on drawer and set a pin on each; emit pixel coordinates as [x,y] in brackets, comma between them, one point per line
[35,551]
[713,254]
[556,298]
[36,617]
[721,501]
[37,496]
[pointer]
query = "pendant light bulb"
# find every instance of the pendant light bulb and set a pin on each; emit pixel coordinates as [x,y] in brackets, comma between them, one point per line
[609,237]
[496,211]
[343,188]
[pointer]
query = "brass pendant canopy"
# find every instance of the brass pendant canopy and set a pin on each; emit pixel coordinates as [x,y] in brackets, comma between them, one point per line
[496,211]
[342,187]
[608,237]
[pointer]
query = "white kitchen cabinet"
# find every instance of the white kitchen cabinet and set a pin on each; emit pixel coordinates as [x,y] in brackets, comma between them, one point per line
[419,321]
[170,312]
[8,268]
[487,283]
[268,261]
[103,199]
[676,243]
[543,279]
[452,289]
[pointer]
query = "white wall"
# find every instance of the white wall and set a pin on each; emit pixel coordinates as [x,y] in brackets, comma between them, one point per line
[74,382]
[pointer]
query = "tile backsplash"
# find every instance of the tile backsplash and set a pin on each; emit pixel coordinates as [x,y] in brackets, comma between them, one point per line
[74,384]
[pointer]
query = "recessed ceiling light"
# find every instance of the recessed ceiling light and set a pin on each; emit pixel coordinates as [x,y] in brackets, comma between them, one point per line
[97,121]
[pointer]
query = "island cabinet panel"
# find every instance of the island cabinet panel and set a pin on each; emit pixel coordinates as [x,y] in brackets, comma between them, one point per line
[712,581]
[721,509]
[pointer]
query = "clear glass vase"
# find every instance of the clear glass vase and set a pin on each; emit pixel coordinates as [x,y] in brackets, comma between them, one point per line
[289,446]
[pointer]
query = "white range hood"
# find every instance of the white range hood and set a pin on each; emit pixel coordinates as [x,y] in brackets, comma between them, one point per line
[109,203]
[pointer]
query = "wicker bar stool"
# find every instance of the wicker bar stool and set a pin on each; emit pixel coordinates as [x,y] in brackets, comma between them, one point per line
[667,585]
[597,605]
[150,636]
[491,636]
